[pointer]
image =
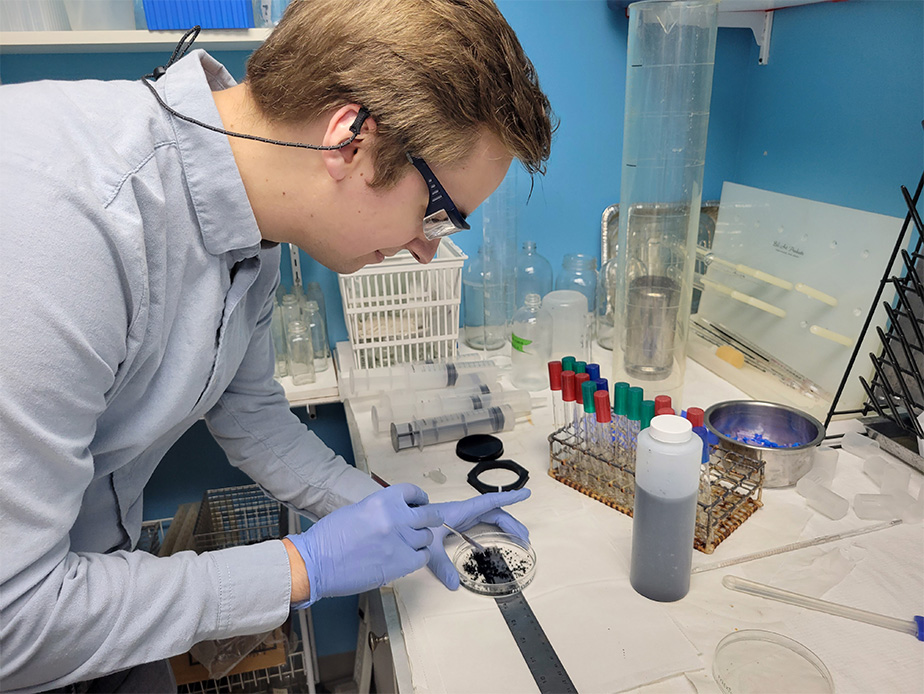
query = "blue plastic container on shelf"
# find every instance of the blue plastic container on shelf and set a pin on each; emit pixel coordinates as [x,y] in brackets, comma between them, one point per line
[209,14]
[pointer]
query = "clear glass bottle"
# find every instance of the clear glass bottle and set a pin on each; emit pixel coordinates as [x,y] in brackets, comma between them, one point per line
[313,292]
[315,323]
[579,272]
[531,345]
[664,516]
[279,343]
[301,353]
[606,304]
[484,304]
[534,273]
[291,311]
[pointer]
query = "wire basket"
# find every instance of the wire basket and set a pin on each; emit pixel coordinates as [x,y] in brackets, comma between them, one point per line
[235,516]
[401,311]
[292,676]
[730,484]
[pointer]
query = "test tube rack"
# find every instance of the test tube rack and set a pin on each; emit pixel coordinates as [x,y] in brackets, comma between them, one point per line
[730,485]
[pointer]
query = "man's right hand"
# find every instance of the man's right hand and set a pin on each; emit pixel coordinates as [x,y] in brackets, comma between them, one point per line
[367,544]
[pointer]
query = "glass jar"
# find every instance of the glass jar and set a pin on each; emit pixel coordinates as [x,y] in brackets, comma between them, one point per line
[531,345]
[606,300]
[315,324]
[579,272]
[301,353]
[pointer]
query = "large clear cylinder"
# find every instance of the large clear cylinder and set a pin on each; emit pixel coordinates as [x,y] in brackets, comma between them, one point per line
[669,70]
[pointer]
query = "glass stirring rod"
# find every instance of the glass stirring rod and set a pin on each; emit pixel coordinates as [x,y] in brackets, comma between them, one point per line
[915,626]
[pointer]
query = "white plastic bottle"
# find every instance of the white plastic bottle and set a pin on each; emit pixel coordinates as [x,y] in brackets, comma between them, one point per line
[531,345]
[666,490]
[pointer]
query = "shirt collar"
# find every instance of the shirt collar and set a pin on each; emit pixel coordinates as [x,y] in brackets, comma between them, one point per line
[217,192]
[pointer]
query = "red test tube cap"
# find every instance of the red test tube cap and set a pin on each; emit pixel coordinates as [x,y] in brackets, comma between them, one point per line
[578,382]
[555,375]
[602,406]
[695,415]
[662,402]
[663,410]
[567,386]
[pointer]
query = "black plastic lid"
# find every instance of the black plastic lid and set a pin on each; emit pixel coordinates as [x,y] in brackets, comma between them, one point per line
[478,447]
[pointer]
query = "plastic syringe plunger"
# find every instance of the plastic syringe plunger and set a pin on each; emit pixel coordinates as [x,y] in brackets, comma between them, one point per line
[414,376]
[451,427]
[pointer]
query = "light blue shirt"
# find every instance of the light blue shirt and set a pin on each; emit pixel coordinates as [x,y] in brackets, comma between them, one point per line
[135,298]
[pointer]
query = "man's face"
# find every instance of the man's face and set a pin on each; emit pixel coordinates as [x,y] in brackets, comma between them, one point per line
[373,224]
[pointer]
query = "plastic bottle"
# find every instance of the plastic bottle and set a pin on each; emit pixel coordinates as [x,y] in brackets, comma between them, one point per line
[301,353]
[579,272]
[534,273]
[666,489]
[531,342]
[484,309]
[315,324]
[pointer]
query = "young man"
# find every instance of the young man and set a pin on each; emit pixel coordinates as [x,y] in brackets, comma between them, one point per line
[139,267]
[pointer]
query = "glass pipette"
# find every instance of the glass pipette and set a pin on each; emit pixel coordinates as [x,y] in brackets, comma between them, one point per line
[915,626]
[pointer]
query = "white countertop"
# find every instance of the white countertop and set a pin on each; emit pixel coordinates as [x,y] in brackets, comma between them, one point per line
[611,639]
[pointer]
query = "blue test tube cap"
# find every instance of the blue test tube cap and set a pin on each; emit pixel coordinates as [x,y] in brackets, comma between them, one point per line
[594,371]
[703,433]
[603,384]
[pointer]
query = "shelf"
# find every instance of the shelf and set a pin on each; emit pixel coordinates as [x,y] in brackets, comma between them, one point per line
[125,41]
[324,390]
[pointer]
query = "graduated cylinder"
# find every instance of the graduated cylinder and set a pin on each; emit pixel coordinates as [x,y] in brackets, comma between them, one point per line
[671,53]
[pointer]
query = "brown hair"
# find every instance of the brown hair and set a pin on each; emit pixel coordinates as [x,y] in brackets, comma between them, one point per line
[432,73]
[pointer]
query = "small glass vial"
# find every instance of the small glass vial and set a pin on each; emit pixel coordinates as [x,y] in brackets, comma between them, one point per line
[279,343]
[534,273]
[531,345]
[664,517]
[579,272]
[315,323]
[301,354]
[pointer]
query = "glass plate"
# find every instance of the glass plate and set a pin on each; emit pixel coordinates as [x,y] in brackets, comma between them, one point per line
[754,661]
[508,566]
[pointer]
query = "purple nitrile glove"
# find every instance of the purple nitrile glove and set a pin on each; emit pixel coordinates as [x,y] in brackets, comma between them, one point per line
[368,544]
[462,515]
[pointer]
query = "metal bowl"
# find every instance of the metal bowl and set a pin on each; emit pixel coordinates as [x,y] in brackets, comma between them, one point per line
[790,434]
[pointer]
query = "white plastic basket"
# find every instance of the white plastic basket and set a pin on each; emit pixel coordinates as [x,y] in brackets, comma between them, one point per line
[401,311]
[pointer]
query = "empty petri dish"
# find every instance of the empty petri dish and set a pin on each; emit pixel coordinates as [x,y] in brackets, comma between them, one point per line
[506,567]
[753,661]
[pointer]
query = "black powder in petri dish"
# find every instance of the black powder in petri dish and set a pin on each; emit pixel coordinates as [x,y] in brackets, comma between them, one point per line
[495,565]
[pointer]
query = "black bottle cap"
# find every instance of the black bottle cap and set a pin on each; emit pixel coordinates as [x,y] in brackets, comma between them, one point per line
[478,447]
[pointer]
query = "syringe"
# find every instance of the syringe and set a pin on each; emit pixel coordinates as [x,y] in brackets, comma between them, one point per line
[449,402]
[414,376]
[401,405]
[451,427]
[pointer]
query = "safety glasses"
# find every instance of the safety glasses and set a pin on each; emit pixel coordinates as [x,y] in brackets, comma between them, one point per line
[442,218]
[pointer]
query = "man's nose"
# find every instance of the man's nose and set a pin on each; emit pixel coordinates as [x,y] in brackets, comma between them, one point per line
[423,250]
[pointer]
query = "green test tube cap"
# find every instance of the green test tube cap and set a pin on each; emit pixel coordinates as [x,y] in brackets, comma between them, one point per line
[588,388]
[621,398]
[580,367]
[648,413]
[567,364]
[635,404]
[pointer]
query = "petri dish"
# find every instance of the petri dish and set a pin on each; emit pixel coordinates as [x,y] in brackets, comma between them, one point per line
[507,566]
[753,661]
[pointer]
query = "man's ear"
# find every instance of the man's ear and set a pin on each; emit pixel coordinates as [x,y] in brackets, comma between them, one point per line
[339,161]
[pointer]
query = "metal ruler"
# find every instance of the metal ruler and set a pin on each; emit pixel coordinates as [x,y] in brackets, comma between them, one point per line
[541,659]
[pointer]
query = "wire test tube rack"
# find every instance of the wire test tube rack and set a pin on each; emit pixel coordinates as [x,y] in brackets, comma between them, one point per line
[730,484]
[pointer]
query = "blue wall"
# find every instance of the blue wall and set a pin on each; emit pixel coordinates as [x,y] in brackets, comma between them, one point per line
[835,116]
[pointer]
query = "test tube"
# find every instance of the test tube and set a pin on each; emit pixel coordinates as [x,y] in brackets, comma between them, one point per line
[579,380]
[588,389]
[567,397]
[555,370]
[451,427]
[604,417]
[634,417]
[450,402]
[621,403]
